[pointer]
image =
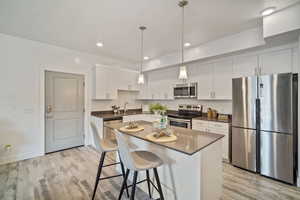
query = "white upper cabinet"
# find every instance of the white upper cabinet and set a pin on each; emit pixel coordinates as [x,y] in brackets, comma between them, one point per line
[245,66]
[127,80]
[159,85]
[214,81]
[222,76]
[104,86]
[107,81]
[205,81]
[276,62]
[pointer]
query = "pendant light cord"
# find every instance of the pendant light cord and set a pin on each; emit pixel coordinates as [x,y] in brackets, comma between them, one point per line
[142,28]
[182,36]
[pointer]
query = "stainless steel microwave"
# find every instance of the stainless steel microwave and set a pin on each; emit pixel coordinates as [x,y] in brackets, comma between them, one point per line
[186,90]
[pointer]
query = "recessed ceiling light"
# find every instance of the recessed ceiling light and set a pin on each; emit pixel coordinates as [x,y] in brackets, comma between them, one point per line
[268,11]
[146,58]
[187,44]
[77,60]
[99,44]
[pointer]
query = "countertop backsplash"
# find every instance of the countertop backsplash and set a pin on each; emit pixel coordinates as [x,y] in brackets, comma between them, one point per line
[222,106]
[123,97]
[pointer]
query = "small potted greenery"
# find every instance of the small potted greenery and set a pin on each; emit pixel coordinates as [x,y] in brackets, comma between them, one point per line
[157,108]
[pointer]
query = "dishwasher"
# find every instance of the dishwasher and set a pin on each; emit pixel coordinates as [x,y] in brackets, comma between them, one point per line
[108,132]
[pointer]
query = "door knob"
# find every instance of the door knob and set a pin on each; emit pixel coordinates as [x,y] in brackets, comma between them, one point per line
[49,109]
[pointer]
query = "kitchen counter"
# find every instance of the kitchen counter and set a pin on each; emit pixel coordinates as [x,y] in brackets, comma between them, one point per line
[109,115]
[188,141]
[192,165]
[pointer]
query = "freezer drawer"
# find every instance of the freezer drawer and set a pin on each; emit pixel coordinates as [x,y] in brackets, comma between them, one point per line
[244,148]
[276,156]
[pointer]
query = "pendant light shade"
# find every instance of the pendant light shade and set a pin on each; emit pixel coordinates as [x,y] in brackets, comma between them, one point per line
[183,75]
[141,79]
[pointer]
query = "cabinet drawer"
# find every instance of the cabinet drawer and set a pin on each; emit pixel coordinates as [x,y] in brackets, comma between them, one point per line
[200,123]
[218,126]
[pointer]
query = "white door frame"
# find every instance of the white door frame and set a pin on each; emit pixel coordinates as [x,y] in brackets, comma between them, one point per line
[87,99]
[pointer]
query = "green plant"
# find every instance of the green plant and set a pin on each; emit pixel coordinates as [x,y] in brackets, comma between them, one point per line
[157,107]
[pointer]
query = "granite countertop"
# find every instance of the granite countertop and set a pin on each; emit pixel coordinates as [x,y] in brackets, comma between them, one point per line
[189,141]
[109,115]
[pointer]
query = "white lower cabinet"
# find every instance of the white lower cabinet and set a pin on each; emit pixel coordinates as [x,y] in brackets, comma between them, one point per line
[214,127]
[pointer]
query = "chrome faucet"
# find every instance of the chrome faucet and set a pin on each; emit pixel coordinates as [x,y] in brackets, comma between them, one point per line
[125,107]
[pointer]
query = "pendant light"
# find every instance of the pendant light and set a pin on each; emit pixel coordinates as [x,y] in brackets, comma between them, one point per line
[182,69]
[141,79]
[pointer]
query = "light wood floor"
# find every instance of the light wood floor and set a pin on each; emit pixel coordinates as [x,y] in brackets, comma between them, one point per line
[70,175]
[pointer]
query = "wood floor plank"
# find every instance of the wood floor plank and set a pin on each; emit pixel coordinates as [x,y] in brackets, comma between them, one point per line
[70,174]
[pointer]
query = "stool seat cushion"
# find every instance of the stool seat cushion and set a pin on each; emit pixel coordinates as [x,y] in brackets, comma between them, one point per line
[108,145]
[144,160]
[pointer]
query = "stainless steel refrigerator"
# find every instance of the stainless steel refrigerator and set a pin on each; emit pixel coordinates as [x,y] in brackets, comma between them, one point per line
[264,125]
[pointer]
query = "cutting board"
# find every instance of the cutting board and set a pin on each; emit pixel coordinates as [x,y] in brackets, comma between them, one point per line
[131,130]
[171,138]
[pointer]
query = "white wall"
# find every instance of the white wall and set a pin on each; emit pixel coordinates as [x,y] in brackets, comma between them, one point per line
[21,62]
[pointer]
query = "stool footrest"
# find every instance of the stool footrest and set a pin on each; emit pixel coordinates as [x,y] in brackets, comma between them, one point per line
[137,183]
[115,176]
[111,164]
[145,181]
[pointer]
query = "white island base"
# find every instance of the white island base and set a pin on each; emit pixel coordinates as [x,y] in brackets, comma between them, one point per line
[183,176]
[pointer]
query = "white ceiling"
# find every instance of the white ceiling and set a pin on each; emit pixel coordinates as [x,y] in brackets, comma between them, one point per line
[79,24]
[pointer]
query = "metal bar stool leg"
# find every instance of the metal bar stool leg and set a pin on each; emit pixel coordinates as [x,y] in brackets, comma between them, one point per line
[124,184]
[148,183]
[99,173]
[158,184]
[135,175]
[123,173]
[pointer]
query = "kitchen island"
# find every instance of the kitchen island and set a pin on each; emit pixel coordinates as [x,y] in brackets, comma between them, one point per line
[192,167]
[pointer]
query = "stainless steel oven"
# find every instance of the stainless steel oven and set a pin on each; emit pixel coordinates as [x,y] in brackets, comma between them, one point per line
[187,90]
[185,123]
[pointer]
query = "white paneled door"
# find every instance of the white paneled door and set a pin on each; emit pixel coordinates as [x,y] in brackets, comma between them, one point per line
[64,110]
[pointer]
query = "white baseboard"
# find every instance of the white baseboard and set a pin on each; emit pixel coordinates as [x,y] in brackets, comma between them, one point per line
[18,157]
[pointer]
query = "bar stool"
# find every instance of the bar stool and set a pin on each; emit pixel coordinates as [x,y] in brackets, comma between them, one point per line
[105,146]
[138,161]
